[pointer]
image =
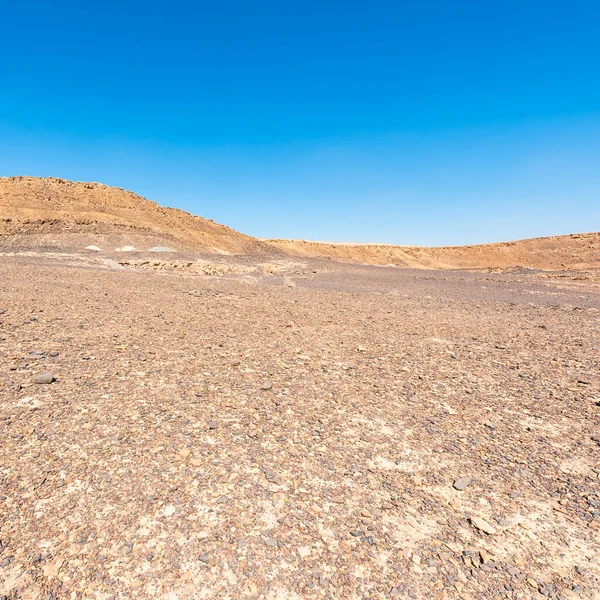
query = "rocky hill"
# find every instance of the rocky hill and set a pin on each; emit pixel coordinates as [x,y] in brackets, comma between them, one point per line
[579,251]
[75,213]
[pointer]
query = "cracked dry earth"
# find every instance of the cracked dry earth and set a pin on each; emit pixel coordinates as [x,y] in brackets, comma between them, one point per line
[368,433]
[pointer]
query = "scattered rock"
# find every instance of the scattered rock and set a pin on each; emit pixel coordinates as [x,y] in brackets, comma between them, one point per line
[267,385]
[44,378]
[93,248]
[462,483]
[482,525]
[51,569]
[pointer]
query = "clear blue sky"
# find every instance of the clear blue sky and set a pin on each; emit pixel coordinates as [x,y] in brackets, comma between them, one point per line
[400,122]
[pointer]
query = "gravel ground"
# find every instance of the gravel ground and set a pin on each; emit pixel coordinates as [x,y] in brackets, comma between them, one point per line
[325,431]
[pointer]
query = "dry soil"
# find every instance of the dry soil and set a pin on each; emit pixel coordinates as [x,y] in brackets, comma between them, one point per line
[232,427]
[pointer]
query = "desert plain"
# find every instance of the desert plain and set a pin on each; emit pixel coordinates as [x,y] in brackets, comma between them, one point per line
[240,418]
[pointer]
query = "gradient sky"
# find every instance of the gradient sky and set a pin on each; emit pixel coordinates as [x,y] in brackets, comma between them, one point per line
[398,122]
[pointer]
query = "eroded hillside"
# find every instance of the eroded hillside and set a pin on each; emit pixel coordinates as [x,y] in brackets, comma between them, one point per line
[46,207]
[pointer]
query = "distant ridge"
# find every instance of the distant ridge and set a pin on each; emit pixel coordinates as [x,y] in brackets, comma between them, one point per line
[577,251]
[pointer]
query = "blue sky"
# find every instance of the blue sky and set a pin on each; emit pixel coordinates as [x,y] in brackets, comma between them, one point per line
[398,122]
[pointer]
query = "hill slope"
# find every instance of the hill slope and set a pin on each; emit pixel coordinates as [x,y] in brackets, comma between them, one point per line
[33,205]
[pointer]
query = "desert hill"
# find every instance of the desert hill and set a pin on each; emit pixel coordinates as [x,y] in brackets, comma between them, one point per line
[50,212]
[80,212]
[579,251]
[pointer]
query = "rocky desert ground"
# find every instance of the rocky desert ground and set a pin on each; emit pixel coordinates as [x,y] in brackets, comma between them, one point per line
[254,423]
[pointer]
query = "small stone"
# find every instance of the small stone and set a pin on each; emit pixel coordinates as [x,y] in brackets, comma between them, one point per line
[212,425]
[44,378]
[185,452]
[267,385]
[369,540]
[462,483]
[51,570]
[482,525]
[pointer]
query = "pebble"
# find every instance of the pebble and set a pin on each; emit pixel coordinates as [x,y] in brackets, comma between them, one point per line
[267,385]
[485,557]
[462,483]
[482,525]
[44,378]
